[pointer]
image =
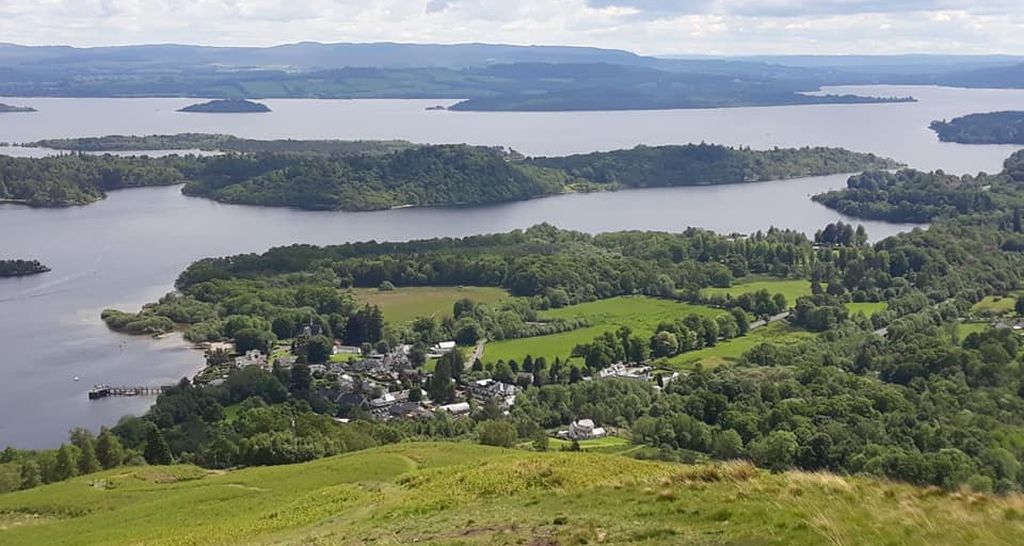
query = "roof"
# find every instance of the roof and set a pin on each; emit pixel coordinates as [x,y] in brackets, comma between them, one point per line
[459,407]
[585,423]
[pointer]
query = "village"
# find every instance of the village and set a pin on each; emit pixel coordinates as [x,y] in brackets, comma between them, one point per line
[383,386]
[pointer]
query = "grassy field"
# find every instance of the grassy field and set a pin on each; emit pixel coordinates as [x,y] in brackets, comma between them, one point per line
[405,304]
[640,313]
[868,308]
[967,328]
[791,288]
[728,351]
[997,305]
[462,494]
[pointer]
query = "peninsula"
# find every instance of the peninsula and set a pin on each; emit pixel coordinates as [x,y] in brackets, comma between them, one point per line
[8,109]
[21,268]
[227,106]
[393,175]
[988,128]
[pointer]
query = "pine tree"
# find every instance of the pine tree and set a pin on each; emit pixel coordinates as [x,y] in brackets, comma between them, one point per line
[109,450]
[67,463]
[157,451]
[30,474]
[87,461]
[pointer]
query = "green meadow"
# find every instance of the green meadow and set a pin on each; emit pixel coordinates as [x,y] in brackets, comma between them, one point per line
[640,313]
[997,305]
[464,494]
[728,351]
[791,288]
[405,304]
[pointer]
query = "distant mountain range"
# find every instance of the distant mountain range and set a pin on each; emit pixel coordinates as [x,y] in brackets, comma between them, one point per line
[488,76]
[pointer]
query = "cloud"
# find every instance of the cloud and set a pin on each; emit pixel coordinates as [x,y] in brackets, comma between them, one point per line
[801,8]
[644,26]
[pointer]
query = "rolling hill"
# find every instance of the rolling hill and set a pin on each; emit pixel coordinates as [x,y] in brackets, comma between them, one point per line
[438,493]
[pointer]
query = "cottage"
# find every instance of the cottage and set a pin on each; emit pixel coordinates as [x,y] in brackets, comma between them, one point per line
[251,358]
[440,349]
[407,410]
[583,429]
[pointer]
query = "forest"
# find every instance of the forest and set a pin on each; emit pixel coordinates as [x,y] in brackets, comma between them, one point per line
[988,128]
[226,106]
[324,175]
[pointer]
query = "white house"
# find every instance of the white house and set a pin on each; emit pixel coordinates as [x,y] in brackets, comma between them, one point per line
[440,349]
[459,408]
[583,429]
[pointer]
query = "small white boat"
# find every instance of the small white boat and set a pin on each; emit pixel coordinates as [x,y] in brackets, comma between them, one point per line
[76,378]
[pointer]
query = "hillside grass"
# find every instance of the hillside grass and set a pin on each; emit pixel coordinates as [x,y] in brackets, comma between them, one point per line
[641,313]
[405,304]
[779,333]
[462,494]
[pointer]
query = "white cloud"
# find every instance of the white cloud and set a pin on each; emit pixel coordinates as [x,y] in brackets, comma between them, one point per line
[646,26]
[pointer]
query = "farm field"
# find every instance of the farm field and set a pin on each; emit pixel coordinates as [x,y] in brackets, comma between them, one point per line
[791,288]
[641,313]
[447,493]
[997,305]
[867,307]
[727,351]
[405,304]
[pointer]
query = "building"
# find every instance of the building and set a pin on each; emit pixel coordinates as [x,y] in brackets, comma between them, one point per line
[486,390]
[622,371]
[251,358]
[440,349]
[460,408]
[583,429]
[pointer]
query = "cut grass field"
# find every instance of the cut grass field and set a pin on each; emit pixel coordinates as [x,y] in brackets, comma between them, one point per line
[640,313]
[997,305]
[462,494]
[791,288]
[867,307]
[405,304]
[779,333]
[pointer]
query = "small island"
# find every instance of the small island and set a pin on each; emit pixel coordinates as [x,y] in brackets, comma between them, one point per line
[989,128]
[21,268]
[227,106]
[8,109]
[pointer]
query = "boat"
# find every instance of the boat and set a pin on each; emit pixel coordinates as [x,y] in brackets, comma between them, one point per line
[99,391]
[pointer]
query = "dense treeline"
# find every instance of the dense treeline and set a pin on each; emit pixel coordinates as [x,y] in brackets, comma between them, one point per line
[910,196]
[20,268]
[701,164]
[221,143]
[81,179]
[372,175]
[226,106]
[426,175]
[989,128]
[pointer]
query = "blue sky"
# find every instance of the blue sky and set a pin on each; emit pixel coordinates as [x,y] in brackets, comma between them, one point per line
[645,26]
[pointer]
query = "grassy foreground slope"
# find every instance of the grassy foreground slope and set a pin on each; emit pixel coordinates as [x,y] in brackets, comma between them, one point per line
[467,494]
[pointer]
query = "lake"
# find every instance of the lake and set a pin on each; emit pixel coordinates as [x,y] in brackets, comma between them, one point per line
[128,249]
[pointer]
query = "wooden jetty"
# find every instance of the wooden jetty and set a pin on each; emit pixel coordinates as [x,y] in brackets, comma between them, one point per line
[103,391]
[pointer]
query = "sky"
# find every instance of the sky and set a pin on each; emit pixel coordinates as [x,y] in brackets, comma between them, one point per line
[720,27]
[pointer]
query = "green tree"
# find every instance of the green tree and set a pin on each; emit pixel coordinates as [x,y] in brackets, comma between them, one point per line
[30,474]
[1019,305]
[776,451]
[497,433]
[156,452]
[86,444]
[66,465]
[109,450]
[664,344]
[318,349]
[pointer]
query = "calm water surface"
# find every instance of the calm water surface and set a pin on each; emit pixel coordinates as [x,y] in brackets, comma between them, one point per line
[128,249]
